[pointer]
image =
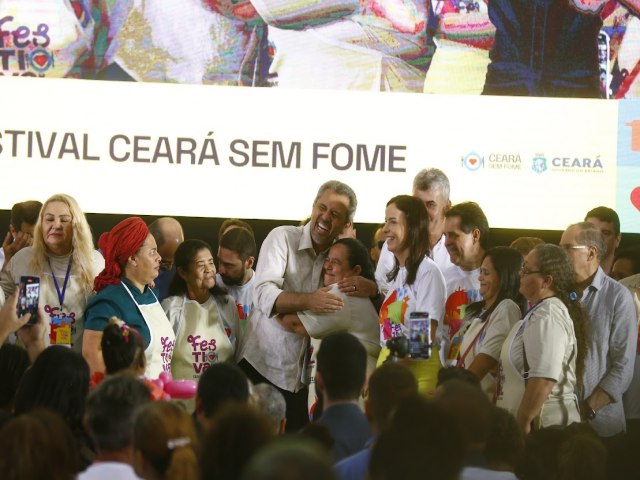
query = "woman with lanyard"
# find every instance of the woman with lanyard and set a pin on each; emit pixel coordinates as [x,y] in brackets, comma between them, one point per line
[542,358]
[124,290]
[63,257]
[476,346]
[204,318]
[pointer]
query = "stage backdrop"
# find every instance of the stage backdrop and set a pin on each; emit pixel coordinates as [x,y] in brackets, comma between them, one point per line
[214,151]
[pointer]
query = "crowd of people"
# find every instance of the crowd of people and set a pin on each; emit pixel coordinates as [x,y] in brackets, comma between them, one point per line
[158,356]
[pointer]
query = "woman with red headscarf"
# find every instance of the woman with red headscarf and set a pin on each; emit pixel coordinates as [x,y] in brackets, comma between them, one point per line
[123,290]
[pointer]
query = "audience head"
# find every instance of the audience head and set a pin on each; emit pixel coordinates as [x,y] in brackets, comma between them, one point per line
[407,231]
[62,229]
[195,270]
[236,433]
[470,408]
[122,348]
[582,455]
[59,380]
[168,234]
[129,250]
[505,442]
[111,409]
[164,443]
[24,216]
[270,401]
[333,209]
[388,384]
[467,235]
[525,244]
[626,262]
[237,254]
[14,361]
[38,446]
[540,457]
[219,384]
[347,257]
[290,459]
[341,367]
[459,374]
[432,187]
[422,437]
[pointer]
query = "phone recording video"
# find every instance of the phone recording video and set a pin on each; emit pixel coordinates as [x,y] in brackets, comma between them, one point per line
[29,293]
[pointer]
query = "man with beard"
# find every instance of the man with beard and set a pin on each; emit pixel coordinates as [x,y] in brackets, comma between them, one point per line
[289,279]
[236,255]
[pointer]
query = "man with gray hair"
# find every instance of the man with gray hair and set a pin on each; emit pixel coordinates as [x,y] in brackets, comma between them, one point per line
[612,325]
[289,280]
[431,186]
[271,402]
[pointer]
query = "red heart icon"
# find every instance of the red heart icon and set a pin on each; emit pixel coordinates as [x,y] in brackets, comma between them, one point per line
[473,161]
[40,59]
[635,197]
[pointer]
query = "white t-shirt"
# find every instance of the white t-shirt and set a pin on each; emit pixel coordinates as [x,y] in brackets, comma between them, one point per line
[109,471]
[243,296]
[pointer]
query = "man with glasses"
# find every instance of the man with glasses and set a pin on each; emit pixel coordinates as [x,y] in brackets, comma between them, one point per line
[612,332]
[169,235]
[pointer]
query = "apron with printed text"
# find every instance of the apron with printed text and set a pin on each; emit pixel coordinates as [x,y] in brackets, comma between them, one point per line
[203,338]
[160,350]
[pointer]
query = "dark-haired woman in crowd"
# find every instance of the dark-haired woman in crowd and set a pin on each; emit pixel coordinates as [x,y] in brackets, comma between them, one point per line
[124,290]
[59,380]
[486,324]
[204,318]
[417,285]
[543,356]
[165,443]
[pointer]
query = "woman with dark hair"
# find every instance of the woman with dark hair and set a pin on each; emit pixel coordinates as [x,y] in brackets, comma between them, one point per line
[204,318]
[124,290]
[417,285]
[542,358]
[347,257]
[486,324]
[59,380]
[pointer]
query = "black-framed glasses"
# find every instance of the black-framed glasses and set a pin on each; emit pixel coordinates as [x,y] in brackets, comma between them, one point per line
[526,271]
[567,248]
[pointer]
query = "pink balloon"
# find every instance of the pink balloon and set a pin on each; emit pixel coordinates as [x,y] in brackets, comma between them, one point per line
[166,377]
[181,388]
[159,383]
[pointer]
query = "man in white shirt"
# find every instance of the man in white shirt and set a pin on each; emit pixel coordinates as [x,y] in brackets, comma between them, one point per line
[236,255]
[288,280]
[432,187]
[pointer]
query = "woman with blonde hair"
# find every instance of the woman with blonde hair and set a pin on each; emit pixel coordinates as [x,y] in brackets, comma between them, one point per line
[165,443]
[64,258]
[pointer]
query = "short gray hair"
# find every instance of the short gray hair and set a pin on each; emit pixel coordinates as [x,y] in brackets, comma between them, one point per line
[429,178]
[341,189]
[590,236]
[270,401]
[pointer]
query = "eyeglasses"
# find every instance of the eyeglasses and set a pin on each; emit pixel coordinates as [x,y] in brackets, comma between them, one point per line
[526,271]
[568,248]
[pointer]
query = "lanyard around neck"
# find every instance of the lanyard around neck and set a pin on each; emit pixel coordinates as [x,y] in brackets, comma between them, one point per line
[64,285]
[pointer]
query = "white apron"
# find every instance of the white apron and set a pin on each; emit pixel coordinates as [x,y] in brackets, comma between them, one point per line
[202,339]
[160,350]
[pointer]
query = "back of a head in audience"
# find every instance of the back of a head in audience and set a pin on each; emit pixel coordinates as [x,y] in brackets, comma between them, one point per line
[290,458]
[233,437]
[164,443]
[14,361]
[59,380]
[219,384]
[540,458]
[271,402]
[388,384]
[505,443]
[39,446]
[582,455]
[110,413]
[422,441]
[525,244]
[342,365]
[460,374]
[122,348]
[470,408]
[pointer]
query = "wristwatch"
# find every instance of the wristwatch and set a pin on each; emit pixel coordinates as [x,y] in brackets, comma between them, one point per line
[590,413]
